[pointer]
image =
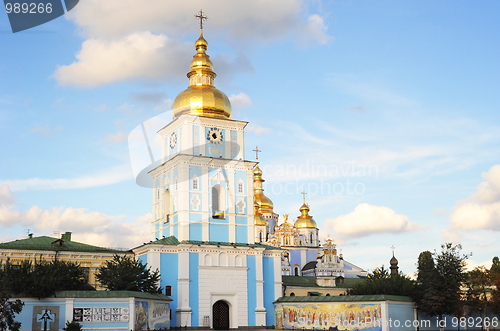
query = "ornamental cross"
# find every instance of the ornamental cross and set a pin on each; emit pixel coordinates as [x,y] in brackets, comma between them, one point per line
[201,17]
[256,150]
[304,194]
[393,248]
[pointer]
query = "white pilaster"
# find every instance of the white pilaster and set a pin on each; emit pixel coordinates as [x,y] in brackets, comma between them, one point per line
[183,309]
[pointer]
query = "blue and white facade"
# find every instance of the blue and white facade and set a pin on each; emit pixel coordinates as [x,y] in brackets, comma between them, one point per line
[203,191]
[203,232]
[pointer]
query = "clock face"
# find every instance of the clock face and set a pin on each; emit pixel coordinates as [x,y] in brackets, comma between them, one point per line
[215,136]
[173,140]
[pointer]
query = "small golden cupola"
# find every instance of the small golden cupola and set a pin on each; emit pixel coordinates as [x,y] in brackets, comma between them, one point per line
[258,219]
[265,204]
[305,220]
[201,97]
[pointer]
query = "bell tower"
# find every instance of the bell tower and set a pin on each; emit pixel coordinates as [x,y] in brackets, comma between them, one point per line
[203,189]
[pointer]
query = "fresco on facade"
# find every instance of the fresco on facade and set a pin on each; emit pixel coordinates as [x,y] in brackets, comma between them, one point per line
[324,316]
[141,315]
[159,316]
[151,315]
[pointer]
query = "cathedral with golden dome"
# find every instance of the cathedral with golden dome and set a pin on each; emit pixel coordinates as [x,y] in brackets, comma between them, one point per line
[216,240]
[303,254]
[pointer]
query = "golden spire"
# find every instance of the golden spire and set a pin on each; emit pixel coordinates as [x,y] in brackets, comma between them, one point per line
[201,97]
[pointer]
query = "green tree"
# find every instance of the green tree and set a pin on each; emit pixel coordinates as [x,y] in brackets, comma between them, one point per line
[8,309]
[124,273]
[41,279]
[477,283]
[72,326]
[494,275]
[381,282]
[439,280]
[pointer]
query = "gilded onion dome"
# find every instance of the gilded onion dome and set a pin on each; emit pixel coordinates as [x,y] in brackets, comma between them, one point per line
[305,220]
[265,204]
[201,97]
[258,219]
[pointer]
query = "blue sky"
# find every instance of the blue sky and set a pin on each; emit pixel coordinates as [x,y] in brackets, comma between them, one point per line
[386,113]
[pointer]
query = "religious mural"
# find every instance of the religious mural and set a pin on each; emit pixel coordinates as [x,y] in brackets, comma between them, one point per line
[325,316]
[151,315]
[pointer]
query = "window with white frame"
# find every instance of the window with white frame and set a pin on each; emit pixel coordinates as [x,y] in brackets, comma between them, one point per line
[195,182]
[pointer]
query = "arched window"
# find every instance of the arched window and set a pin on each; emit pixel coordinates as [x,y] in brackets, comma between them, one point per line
[311,238]
[292,294]
[260,236]
[176,187]
[240,187]
[296,271]
[327,295]
[218,202]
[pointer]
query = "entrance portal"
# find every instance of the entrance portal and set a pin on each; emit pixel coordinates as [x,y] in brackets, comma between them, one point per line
[220,313]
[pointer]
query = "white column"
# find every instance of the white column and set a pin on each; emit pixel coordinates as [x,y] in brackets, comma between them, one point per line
[69,309]
[131,309]
[153,259]
[250,211]
[183,309]
[204,201]
[277,275]
[232,202]
[241,145]
[183,200]
[260,311]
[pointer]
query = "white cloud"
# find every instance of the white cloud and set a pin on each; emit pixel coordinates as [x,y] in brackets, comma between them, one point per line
[116,138]
[240,100]
[258,130]
[367,219]
[89,227]
[128,39]
[240,20]
[139,55]
[107,177]
[45,130]
[482,209]
[316,30]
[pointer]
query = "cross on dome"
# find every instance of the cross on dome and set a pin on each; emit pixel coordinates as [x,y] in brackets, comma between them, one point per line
[201,17]
[304,194]
[256,150]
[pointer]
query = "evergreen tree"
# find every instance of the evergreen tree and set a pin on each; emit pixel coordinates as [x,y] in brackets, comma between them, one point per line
[124,273]
[41,279]
[494,276]
[439,281]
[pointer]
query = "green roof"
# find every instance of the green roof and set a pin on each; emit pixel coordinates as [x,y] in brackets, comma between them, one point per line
[172,240]
[45,243]
[306,281]
[111,294]
[345,298]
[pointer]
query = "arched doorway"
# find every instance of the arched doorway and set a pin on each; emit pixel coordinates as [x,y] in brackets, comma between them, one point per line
[220,313]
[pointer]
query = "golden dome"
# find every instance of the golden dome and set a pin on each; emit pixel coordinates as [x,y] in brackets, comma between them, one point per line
[305,220]
[258,219]
[265,204]
[201,97]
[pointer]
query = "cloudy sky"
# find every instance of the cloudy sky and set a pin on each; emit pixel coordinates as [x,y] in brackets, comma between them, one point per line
[385,113]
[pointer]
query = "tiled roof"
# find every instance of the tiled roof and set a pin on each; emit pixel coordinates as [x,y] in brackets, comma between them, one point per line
[44,243]
[345,298]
